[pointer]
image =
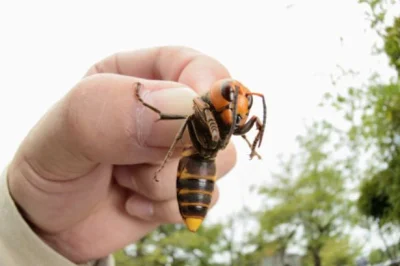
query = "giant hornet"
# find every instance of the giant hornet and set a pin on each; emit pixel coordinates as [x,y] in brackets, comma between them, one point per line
[218,114]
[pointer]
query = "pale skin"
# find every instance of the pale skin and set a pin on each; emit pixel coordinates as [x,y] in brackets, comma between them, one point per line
[83,177]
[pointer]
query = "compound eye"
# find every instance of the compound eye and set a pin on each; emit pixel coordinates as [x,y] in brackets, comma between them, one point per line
[238,119]
[249,101]
[227,92]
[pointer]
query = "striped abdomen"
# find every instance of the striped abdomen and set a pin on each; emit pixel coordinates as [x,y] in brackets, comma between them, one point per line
[195,185]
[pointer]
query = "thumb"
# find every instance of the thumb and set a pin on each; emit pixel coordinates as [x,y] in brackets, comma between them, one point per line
[101,121]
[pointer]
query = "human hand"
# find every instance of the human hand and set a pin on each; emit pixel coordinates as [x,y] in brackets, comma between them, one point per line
[83,177]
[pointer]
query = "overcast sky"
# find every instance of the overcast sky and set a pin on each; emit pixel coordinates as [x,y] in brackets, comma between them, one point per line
[287,50]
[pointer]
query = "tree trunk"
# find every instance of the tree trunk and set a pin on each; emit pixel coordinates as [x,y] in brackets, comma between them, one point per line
[282,256]
[316,257]
[140,248]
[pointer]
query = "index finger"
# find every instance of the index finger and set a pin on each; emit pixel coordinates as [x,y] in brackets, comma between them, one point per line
[174,63]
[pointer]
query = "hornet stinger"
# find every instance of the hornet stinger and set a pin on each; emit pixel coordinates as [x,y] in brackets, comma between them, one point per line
[221,112]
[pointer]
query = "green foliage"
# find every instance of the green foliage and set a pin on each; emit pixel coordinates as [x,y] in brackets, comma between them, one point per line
[377,256]
[336,252]
[377,11]
[122,259]
[339,252]
[374,199]
[374,116]
[174,245]
[310,197]
[392,44]
[373,113]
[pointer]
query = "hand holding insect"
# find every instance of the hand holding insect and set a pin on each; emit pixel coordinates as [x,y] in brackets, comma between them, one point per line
[83,175]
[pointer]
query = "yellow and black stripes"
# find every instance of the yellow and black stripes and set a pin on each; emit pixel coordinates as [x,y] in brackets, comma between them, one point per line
[194,196]
[195,184]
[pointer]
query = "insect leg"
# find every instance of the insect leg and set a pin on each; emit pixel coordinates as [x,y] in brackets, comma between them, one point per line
[171,148]
[264,115]
[162,115]
[248,142]
[246,128]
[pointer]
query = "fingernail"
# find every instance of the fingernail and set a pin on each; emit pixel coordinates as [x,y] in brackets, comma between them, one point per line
[140,208]
[177,101]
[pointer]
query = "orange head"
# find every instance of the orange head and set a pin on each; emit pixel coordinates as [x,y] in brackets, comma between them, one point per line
[221,96]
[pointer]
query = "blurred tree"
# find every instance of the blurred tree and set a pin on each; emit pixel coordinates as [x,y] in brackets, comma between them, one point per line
[235,242]
[122,259]
[336,252]
[377,12]
[374,199]
[392,44]
[309,203]
[374,203]
[174,245]
[373,113]
[380,255]
[340,251]
[374,116]
[377,256]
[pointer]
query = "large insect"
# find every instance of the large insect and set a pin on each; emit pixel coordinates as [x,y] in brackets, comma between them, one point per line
[218,114]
